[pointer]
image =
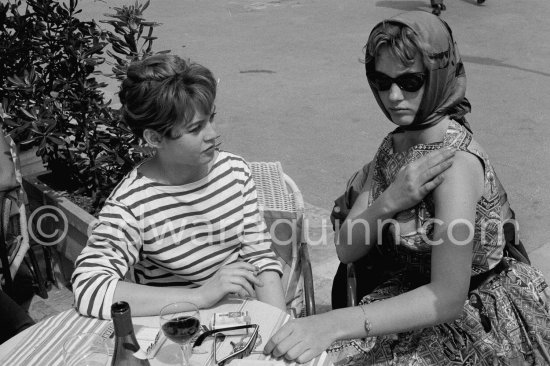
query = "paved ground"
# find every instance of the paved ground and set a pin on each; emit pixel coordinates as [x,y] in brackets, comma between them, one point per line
[292,89]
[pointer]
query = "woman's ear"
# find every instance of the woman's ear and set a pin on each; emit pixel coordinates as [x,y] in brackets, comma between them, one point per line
[152,137]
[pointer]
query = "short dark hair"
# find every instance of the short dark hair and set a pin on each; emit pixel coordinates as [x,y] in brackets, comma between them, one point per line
[163,90]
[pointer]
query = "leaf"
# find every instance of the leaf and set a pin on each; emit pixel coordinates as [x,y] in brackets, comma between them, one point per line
[15,80]
[121,50]
[93,50]
[27,113]
[145,6]
[56,140]
[90,61]
[151,24]
[114,23]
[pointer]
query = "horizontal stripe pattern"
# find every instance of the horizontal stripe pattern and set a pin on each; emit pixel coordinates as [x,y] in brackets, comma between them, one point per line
[44,345]
[163,235]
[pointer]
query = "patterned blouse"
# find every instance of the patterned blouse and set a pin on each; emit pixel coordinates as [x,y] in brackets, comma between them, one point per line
[415,227]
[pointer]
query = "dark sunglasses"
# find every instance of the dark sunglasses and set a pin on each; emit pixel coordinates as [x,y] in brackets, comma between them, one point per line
[240,350]
[410,82]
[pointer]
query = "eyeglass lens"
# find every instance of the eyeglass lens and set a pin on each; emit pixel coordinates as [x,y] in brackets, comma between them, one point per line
[241,349]
[244,341]
[410,82]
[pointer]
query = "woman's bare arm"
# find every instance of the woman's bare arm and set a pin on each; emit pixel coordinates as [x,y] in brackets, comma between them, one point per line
[361,228]
[272,290]
[439,301]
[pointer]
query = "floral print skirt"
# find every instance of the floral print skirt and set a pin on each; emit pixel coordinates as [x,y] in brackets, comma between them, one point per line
[506,321]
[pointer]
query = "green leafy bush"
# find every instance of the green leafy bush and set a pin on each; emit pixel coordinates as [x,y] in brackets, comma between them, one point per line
[49,95]
[130,25]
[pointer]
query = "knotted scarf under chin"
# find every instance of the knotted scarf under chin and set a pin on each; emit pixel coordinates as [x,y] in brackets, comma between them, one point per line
[445,85]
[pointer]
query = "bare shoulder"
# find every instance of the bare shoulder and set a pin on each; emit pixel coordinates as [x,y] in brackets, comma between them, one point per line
[465,176]
[465,161]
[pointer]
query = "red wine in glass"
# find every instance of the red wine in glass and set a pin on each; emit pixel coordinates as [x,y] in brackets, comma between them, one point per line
[180,321]
[181,329]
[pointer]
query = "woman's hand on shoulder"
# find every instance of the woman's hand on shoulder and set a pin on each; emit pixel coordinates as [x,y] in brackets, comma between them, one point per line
[301,339]
[235,278]
[415,180]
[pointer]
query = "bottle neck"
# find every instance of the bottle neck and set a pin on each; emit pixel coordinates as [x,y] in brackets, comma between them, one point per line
[123,324]
[122,318]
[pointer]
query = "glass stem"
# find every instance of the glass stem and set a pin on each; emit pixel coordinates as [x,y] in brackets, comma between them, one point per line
[185,354]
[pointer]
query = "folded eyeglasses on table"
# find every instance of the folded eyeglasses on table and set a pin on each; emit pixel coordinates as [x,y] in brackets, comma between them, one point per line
[241,349]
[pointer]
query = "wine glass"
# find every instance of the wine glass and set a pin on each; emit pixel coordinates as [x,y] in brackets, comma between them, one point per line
[85,349]
[180,322]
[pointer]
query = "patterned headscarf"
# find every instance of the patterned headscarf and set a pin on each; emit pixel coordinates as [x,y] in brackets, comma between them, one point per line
[445,85]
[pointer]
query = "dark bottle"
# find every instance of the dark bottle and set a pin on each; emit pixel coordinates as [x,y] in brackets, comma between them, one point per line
[125,340]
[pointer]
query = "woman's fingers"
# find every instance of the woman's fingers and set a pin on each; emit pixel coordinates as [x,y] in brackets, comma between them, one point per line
[246,270]
[439,156]
[435,171]
[243,283]
[274,341]
[435,158]
[295,349]
[233,288]
[307,356]
[242,265]
[290,343]
[243,269]
[246,274]
[437,162]
[236,278]
[431,185]
[252,278]
[433,177]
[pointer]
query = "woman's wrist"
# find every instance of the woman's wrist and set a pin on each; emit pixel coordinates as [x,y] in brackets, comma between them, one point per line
[366,321]
[387,205]
[195,296]
[347,323]
[335,323]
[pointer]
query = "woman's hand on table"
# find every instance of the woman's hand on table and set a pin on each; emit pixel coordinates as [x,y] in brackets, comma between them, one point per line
[235,278]
[415,180]
[301,339]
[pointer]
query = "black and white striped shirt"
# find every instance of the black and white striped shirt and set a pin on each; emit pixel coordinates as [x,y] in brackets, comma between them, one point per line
[163,235]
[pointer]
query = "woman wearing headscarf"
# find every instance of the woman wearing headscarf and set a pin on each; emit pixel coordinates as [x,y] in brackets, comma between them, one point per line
[455,295]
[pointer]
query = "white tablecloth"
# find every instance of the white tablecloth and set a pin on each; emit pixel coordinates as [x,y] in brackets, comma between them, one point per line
[41,345]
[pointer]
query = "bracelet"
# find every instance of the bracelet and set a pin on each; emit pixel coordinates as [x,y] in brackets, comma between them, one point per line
[367,324]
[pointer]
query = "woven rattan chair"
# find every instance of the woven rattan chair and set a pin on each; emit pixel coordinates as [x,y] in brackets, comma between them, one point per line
[15,246]
[282,207]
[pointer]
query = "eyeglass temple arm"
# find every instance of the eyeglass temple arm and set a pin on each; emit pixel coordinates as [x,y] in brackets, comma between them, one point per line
[207,334]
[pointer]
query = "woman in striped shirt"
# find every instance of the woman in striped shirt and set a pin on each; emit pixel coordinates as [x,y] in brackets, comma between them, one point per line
[183,225]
